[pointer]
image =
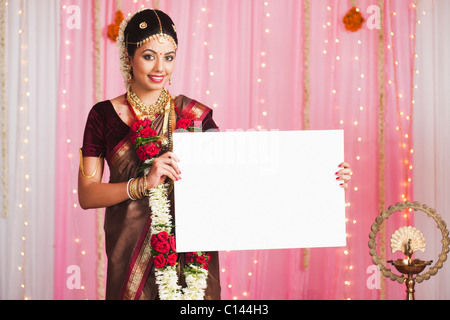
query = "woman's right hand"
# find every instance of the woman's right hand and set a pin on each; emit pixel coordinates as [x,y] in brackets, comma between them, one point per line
[163,167]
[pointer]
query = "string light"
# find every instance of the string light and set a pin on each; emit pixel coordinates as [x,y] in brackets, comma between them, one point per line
[404,109]
[23,195]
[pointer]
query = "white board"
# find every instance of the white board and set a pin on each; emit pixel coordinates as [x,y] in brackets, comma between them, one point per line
[259,190]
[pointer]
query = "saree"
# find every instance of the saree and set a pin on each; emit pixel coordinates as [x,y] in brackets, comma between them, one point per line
[130,269]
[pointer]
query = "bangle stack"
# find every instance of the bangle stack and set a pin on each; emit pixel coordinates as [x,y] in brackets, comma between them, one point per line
[137,188]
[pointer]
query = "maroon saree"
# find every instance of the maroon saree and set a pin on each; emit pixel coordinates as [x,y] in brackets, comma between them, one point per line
[130,272]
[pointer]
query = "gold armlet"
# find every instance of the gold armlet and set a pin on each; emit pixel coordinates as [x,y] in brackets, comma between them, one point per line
[82,166]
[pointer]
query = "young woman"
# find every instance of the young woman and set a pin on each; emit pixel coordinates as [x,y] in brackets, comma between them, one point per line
[139,260]
[148,43]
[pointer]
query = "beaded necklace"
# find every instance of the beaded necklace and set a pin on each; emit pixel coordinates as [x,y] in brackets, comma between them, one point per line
[152,111]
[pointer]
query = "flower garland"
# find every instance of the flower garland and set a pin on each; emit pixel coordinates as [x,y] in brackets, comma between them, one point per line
[164,251]
[148,145]
[114,28]
[353,20]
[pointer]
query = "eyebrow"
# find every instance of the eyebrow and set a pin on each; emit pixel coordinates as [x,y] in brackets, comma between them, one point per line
[171,52]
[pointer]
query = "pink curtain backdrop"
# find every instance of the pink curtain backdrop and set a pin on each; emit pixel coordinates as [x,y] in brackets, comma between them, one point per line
[245,59]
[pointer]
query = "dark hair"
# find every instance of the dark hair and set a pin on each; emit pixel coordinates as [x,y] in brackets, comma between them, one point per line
[145,24]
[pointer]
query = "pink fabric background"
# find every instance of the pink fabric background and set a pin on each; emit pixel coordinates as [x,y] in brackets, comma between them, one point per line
[245,59]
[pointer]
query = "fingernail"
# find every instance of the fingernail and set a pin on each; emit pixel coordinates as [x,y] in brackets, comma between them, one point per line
[337,173]
[337,178]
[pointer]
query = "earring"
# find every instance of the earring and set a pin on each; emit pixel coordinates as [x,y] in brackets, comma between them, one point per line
[170,81]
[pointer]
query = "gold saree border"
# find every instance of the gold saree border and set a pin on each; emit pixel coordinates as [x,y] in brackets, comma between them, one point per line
[140,266]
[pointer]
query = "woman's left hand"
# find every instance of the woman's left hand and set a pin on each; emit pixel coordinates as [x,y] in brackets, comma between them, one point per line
[344,175]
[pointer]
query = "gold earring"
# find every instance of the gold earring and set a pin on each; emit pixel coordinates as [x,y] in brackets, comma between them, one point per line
[170,81]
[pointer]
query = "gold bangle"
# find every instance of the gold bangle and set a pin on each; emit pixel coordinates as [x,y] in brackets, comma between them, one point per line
[137,188]
[128,190]
[146,190]
[134,189]
[132,193]
[140,188]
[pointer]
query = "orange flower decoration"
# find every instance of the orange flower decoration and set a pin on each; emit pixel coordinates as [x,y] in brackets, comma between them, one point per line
[353,20]
[113,29]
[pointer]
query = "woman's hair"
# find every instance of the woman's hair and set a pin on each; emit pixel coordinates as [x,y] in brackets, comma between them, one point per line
[147,25]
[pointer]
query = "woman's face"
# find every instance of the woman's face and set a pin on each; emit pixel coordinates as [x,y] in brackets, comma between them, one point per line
[153,65]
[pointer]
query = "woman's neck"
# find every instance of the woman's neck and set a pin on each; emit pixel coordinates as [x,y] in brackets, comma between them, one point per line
[149,97]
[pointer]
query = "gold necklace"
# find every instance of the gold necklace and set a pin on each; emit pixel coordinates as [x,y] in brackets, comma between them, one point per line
[144,109]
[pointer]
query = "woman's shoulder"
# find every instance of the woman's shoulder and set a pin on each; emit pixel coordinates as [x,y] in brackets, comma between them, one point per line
[102,107]
[186,104]
[192,109]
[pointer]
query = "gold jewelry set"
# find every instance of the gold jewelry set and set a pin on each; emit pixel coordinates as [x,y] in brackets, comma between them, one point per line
[149,111]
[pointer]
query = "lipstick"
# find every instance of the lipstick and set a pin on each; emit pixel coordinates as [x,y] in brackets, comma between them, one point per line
[156,79]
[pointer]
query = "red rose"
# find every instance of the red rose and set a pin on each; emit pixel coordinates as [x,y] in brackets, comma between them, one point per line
[184,124]
[189,257]
[153,240]
[151,149]
[147,132]
[160,261]
[142,155]
[205,266]
[172,259]
[162,247]
[146,123]
[200,259]
[134,136]
[172,244]
[135,127]
[163,236]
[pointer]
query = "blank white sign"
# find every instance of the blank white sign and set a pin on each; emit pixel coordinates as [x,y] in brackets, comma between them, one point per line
[259,190]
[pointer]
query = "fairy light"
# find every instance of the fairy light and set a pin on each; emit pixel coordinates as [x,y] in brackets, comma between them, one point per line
[23,193]
[404,127]
[70,147]
[354,61]
[263,63]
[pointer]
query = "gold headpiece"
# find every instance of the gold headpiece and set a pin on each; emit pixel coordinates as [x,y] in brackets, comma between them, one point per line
[161,37]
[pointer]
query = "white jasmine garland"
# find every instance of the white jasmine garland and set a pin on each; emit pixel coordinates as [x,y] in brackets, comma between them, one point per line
[167,277]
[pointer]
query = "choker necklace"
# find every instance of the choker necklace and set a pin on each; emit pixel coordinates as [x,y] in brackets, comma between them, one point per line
[151,111]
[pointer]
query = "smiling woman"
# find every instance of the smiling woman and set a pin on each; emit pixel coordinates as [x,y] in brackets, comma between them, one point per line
[117,130]
[152,65]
